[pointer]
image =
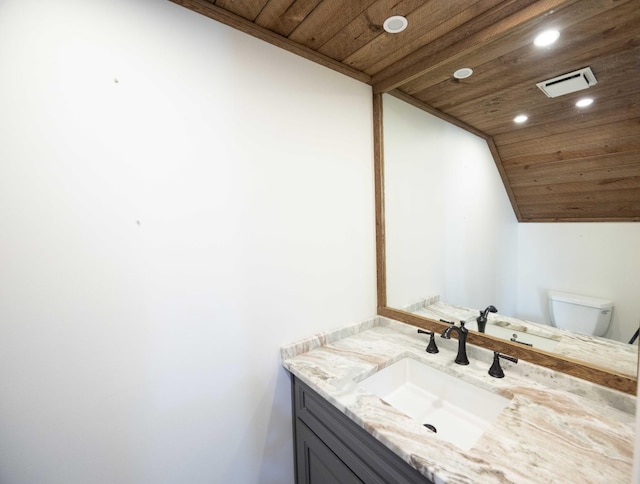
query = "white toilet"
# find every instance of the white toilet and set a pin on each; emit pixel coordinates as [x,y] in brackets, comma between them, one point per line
[583,314]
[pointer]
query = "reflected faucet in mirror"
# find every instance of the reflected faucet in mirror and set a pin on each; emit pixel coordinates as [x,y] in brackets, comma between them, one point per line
[482,319]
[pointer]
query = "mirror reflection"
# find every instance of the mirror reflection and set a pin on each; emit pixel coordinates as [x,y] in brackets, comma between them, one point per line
[451,233]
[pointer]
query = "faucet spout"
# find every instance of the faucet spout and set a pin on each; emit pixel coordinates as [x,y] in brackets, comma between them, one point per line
[482,319]
[461,357]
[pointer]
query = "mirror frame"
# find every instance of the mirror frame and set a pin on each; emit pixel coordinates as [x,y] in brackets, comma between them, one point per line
[567,365]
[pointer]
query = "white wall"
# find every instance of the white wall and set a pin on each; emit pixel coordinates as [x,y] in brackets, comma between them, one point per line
[162,236]
[593,259]
[443,188]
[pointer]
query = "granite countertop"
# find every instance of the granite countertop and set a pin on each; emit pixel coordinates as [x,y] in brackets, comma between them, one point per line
[556,428]
[608,354]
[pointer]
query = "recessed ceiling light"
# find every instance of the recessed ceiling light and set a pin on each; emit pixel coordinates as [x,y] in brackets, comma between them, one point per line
[463,73]
[546,38]
[584,102]
[395,24]
[521,118]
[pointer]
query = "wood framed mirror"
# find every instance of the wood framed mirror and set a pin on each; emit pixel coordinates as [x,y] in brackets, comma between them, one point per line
[607,375]
[567,165]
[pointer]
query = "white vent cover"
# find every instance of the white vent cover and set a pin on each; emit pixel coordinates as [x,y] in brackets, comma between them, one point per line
[567,83]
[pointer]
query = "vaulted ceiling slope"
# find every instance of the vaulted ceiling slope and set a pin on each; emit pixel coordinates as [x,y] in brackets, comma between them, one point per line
[564,163]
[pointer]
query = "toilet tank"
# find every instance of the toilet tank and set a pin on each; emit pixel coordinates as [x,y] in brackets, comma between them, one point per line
[584,314]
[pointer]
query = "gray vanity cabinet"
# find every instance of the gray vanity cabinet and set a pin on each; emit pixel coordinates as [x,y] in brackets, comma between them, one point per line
[317,463]
[331,449]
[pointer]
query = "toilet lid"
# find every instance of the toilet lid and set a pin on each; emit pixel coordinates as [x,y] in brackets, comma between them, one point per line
[592,302]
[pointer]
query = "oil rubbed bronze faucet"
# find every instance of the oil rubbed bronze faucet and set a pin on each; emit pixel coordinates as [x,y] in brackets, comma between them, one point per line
[431,347]
[482,319]
[495,370]
[461,357]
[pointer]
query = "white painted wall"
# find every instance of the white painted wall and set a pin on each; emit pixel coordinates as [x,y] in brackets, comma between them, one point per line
[443,188]
[162,236]
[593,259]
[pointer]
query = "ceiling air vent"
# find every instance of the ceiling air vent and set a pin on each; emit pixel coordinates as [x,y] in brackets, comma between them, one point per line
[567,83]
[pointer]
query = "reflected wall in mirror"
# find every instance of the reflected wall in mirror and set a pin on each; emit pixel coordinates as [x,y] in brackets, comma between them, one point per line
[451,231]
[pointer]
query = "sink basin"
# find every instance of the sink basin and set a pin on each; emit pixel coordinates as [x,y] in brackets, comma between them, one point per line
[459,411]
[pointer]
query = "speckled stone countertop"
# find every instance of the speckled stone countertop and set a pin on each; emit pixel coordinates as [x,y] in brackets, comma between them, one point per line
[608,354]
[556,428]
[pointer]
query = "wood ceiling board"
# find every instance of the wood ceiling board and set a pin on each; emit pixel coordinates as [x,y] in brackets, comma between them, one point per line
[500,34]
[573,172]
[494,112]
[574,196]
[608,172]
[498,119]
[610,110]
[578,22]
[248,9]
[627,162]
[495,69]
[597,210]
[283,16]
[564,124]
[610,138]
[537,192]
[617,148]
[447,44]
[583,212]
[326,20]
[580,44]
[429,23]
[367,27]
[579,218]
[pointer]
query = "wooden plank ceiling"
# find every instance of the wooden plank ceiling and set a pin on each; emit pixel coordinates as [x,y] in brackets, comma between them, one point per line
[564,163]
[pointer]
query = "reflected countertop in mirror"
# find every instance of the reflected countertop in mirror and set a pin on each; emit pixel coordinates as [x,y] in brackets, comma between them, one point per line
[605,353]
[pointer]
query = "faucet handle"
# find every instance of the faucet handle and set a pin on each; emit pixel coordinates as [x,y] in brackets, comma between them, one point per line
[495,370]
[431,348]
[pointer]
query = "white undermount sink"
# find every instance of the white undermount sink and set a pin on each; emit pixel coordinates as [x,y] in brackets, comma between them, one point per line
[460,411]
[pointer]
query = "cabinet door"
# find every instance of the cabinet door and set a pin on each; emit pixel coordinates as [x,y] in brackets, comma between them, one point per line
[319,464]
[349,453]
